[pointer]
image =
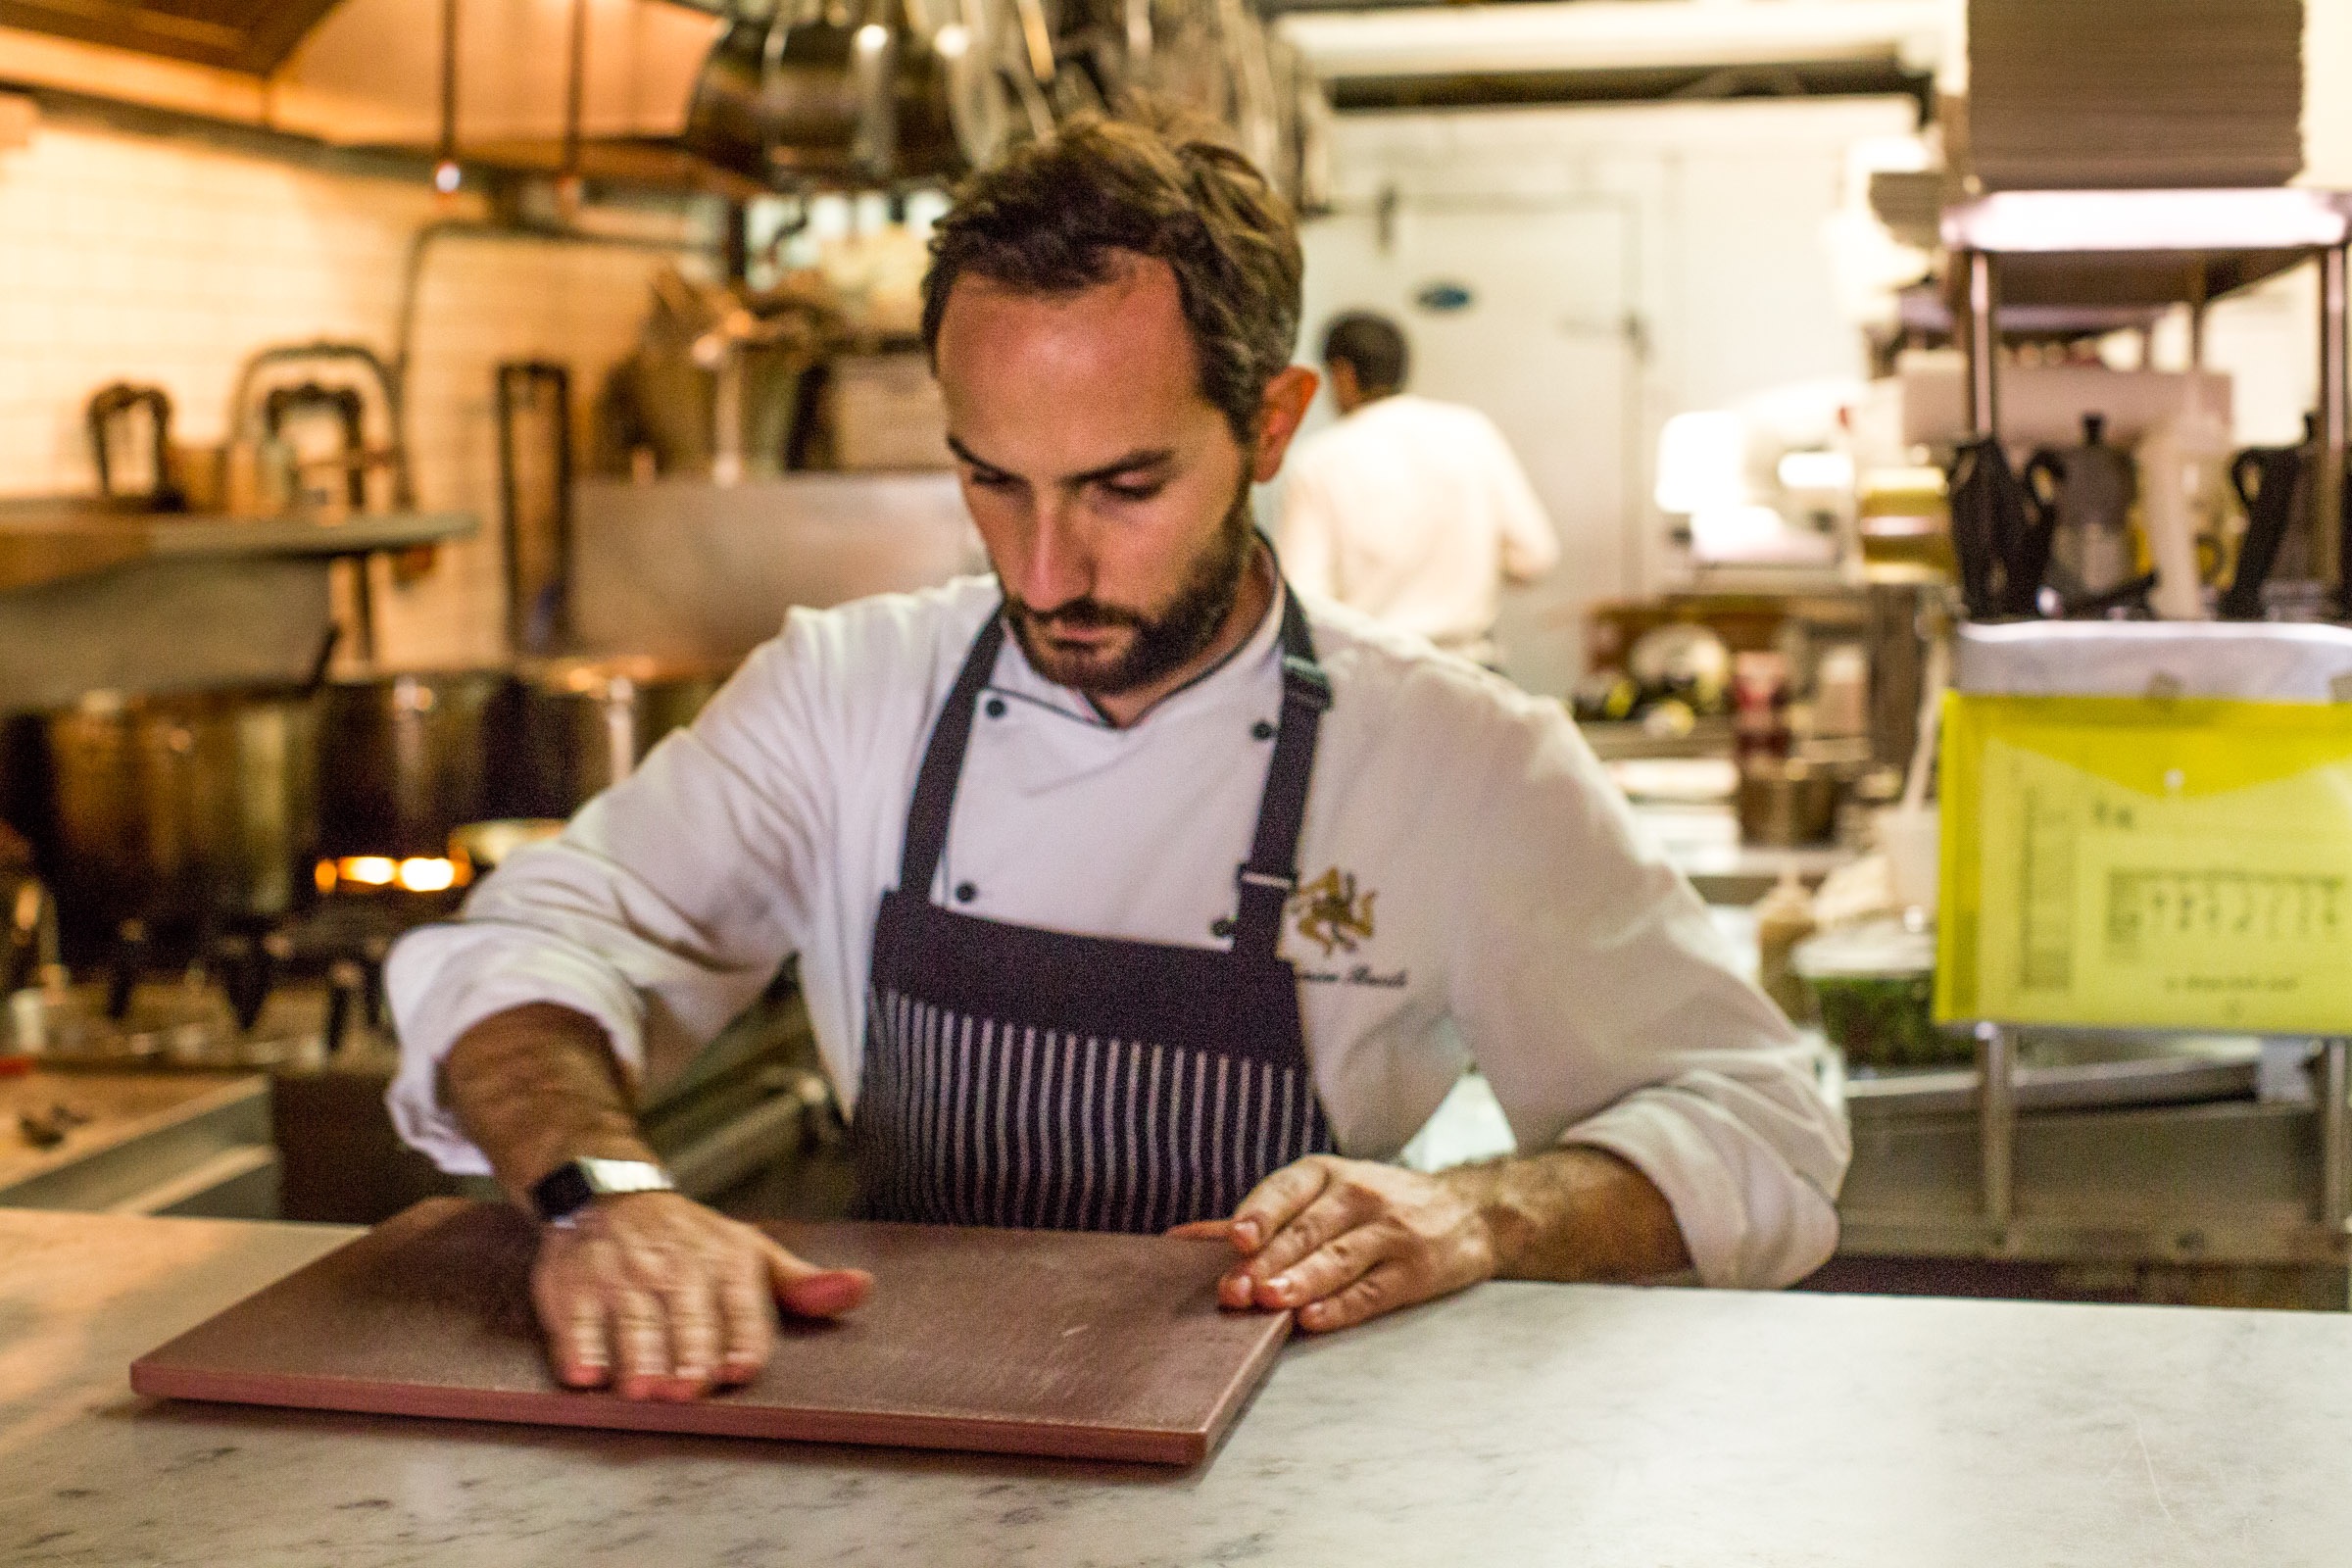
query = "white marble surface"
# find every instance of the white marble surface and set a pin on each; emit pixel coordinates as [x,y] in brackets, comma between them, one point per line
[1516,1423]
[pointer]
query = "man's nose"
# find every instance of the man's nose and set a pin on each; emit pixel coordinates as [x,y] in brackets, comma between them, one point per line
[1054,568]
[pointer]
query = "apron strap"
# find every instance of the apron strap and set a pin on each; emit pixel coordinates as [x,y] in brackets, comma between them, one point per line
[1272,874]
[943,761]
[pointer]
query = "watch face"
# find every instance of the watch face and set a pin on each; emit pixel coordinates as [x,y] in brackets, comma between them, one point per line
[570,1187]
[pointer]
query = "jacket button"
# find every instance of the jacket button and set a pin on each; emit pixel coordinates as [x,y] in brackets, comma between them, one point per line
[965,892]
[1263,730]
[996,707]
[1221,926]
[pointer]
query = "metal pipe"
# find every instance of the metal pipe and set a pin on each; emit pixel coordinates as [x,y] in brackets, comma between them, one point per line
[2329,546]
[445,173]
[2199,295]
[1983,345]
[576,94]
[1996,1124]
[2336,1154]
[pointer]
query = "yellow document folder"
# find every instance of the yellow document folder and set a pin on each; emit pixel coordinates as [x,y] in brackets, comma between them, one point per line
[2145,861]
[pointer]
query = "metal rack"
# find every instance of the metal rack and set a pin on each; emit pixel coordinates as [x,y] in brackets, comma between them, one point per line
[2280,1213]
[2152,248]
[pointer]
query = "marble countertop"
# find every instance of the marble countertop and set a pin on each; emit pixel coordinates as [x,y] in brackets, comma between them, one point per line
[1514,1423]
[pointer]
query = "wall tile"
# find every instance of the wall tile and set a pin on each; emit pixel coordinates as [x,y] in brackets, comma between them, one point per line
[171,260]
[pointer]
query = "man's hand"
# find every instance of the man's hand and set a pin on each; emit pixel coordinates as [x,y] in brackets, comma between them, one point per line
[665,1300]
[1345,1240]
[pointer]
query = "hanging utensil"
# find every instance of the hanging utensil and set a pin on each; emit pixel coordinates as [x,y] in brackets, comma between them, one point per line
[2269,481]
[537,526]
[111,410]
[1991,531]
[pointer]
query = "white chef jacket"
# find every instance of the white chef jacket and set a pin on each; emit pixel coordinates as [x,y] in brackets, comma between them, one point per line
[1414,512]
[1484,897]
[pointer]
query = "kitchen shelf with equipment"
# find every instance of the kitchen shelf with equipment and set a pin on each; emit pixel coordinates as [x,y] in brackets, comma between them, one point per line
[2140,843]
[2156,247]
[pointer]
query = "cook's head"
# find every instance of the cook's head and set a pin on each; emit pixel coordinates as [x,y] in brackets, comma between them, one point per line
[1111,314]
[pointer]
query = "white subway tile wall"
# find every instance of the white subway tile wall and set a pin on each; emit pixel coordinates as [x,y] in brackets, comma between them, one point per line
[170,259]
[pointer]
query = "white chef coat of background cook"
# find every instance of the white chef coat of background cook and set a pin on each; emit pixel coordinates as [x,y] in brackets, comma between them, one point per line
[1517,919]
[1414,512]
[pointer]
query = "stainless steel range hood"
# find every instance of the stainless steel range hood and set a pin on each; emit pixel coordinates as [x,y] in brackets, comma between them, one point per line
[369,73]
[249,36]
[856,91]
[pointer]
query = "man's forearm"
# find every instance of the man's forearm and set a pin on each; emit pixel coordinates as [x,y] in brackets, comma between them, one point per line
[1575,1214]
[535,1086]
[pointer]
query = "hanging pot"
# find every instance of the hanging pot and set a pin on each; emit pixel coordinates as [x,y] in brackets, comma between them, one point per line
[789,98]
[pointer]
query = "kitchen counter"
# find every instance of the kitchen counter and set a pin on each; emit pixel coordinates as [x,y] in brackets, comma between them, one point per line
[1599,1426]
[1703,843]
[133,1141]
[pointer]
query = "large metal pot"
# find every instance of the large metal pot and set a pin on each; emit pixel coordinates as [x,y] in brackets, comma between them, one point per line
[182,809]
[404,758]
[583,725]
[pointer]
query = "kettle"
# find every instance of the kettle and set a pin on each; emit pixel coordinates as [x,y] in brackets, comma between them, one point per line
[2081,497]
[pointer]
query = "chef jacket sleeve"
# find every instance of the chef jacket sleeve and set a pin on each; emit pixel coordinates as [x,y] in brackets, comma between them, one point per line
[1530,545]
[1600,1004]
[1307,535]
[662,911]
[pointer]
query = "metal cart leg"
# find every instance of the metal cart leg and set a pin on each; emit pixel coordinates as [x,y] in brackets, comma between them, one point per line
[1996,1124]
[1983,345]
[2331,549]
[2336,1139]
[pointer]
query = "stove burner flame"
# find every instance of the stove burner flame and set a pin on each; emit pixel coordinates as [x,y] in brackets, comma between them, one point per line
[419,873]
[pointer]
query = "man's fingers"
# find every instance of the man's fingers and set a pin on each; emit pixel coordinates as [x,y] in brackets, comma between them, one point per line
[643,1344]
[577,1340]
[807,1291]
[1336,1212]
[1203,1230]
[1330,1268]
[692,1307]
[1383,1288]
[748,1326]
[1272,1202]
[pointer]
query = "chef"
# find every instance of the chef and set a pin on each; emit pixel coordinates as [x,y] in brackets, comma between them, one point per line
[1413,510]
[1131,890]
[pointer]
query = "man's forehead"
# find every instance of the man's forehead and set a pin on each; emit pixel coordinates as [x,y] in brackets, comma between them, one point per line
[1072,378]
[1137,300]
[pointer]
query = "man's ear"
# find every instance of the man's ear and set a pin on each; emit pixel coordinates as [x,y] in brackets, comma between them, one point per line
[1285,402]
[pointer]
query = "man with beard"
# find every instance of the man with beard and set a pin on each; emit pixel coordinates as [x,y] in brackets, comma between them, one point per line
[1130,891]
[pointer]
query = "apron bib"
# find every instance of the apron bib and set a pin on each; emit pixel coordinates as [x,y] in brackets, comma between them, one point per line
[1029,1078]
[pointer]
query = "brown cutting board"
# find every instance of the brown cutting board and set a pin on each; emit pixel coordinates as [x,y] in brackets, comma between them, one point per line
[1011,1342]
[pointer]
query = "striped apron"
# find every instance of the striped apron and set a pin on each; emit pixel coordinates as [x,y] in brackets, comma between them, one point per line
[1030,1078]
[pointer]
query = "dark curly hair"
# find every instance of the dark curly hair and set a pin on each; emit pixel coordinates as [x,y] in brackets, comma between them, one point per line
[1056,214]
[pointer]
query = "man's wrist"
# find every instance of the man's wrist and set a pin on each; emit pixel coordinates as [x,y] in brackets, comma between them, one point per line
[1574,1212]
[536,1086]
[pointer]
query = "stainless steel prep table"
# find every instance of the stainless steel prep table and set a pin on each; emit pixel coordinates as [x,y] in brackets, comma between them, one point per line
[1516,1423]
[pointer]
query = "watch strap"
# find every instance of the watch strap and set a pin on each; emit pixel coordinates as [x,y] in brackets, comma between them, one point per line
[570,1187]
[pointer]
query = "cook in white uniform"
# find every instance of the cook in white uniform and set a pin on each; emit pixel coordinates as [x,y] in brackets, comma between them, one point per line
[1195,895]
[1411,509]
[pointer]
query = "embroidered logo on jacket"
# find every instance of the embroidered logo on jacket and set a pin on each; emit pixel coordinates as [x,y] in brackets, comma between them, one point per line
[1330,912]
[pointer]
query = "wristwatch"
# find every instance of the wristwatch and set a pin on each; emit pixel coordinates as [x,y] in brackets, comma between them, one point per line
[564,1192]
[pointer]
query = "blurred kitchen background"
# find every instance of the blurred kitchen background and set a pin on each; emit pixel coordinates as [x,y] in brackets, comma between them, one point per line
[410,410]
